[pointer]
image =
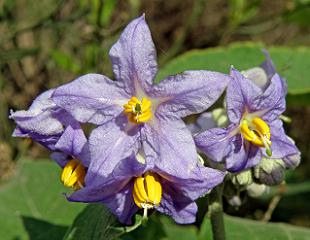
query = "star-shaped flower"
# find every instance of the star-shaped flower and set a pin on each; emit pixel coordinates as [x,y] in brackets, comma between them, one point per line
[136,115]
[255,130]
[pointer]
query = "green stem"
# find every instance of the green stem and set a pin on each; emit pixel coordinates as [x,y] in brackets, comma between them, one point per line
[216,213]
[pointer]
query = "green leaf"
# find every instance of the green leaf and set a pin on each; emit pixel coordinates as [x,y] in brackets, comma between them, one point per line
[292,63]
[183,232]
[238,228]
[33,205]
[163,228]
[96,222]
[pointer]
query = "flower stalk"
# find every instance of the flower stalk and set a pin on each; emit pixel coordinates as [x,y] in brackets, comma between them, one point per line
[216,213]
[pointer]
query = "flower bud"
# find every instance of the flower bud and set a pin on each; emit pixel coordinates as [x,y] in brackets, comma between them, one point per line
[243,178]
[256,190]
[220,117]
[257,75]
[235,201]
[270,171]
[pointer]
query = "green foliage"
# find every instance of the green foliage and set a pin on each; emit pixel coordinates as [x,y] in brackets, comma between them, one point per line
[236,228]
[32,204]
[292,63]
[96,222]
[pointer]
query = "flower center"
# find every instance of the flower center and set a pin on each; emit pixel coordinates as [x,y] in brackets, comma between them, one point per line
[147,191]
[138,111]
[257,132]
[73,174]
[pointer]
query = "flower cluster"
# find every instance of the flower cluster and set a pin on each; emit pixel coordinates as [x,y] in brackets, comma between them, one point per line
[141,155]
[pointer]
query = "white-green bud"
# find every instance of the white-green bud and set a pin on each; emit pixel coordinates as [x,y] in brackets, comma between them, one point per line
[235,201]
[255,190]
[220,117]
[257,75]
[243,178]
[270,171]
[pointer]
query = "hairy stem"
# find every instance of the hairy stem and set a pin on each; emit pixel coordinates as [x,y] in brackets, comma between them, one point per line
[216,213]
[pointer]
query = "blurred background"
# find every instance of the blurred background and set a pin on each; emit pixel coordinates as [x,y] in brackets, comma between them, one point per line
[49,42]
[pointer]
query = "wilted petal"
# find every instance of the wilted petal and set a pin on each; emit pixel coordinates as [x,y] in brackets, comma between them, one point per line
[240,95]
[189,93]
[270,70]
[215,143]
[169,145]
[134,56]
[268,65]
[91,98]
[109,144]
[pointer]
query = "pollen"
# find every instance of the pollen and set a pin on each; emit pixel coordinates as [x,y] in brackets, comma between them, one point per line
[138,111]
[73,174]
[257,132]
[147,191]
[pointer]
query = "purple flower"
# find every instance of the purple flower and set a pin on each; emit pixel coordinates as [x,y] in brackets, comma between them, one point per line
[54,128]
[133,185]
[134,114]
[255,129]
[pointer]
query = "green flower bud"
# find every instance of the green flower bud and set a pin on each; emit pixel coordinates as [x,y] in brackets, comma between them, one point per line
[235,201]
[255,190]
[243,178]
[220,117]
[270,171]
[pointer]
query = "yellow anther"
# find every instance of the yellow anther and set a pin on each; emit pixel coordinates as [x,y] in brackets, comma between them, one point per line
[147,191]
[138,111]
[257,132]
[250,135]
[262,127]
[73,174]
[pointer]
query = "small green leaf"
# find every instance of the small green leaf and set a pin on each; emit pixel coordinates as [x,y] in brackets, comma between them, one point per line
[32,203]
[94,222]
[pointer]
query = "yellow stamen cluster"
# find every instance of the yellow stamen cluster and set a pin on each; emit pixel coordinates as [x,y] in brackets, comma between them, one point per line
[138,111]
[257,132]
[147,191]
[73,174]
